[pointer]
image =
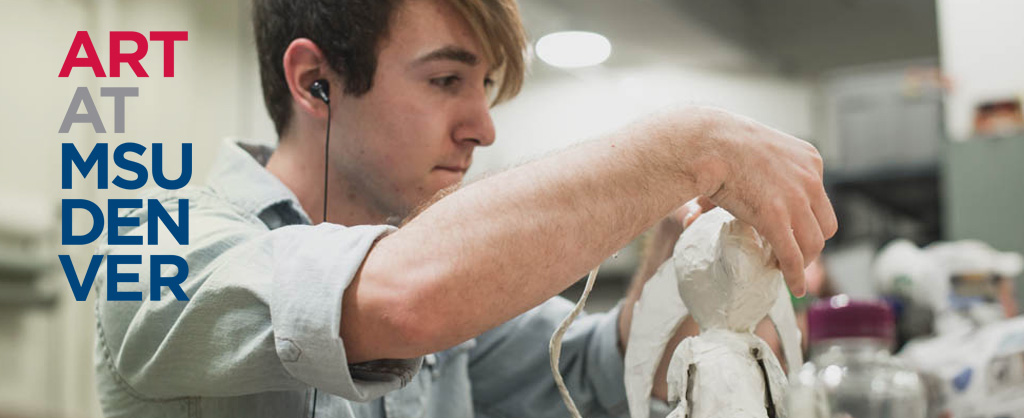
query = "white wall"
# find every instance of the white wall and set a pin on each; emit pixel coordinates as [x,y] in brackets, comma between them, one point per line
[982,51]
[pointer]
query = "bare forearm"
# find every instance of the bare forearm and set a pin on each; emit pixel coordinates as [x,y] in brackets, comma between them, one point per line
[498,247]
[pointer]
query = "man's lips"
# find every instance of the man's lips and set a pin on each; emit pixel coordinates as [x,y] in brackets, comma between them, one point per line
[453,168]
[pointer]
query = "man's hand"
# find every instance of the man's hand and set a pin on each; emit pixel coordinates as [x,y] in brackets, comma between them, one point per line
[772,181]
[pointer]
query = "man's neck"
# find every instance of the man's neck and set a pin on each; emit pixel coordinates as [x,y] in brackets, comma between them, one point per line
[301,168]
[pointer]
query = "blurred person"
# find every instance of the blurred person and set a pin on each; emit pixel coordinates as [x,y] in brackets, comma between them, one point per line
[916,287]
[954,301]
[306,300]
[947,287]
[980,274]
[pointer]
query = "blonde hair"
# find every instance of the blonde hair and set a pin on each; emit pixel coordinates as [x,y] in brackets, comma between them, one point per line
[499,28]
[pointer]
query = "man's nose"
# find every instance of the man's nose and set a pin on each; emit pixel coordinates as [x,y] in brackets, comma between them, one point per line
[475,125]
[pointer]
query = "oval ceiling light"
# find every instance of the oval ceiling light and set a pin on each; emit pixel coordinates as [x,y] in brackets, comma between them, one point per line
[573,49]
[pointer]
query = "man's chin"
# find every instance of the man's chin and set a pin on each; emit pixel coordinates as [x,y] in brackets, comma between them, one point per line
[439,192]
[445,188]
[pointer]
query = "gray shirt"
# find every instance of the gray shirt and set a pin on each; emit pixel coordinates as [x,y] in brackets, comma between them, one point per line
[260,330]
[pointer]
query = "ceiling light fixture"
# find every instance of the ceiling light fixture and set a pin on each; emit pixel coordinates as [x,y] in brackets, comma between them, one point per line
[573,49]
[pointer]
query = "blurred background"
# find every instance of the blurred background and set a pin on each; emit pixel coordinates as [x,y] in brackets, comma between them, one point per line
[915,106]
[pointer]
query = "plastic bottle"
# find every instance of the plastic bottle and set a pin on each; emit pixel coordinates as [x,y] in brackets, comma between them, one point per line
[851,372]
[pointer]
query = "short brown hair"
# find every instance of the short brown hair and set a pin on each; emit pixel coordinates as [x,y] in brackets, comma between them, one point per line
[349,33]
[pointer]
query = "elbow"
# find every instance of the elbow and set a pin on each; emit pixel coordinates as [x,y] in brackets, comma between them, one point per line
[392,313]
[419,322]
[413,338]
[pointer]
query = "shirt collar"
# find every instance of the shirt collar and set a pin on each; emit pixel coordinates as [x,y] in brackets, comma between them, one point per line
[238,174]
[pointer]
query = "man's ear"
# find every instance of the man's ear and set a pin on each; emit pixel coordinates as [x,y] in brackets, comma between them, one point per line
[304,63]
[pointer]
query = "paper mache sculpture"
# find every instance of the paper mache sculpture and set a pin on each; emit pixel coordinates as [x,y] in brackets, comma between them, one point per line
[722,273]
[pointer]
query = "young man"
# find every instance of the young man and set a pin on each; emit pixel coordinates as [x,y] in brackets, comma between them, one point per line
[448,315]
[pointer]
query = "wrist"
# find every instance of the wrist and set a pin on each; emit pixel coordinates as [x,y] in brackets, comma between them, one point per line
[701,146]
[714,164]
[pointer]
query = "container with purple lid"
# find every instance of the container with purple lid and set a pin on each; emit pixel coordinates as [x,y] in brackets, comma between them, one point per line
[841,317]
[851,371]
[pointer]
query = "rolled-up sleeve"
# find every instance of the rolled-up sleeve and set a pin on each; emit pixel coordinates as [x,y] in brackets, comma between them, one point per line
[310,277]
[263,314]
[511,376]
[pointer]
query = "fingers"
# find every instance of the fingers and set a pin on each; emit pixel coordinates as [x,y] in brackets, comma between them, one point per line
[799,238]
[820,204]
[788,257]
[825,214]
[809,235]
[811,223]
[813,220]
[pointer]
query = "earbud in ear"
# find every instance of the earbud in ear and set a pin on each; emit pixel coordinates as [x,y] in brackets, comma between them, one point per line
[320,88]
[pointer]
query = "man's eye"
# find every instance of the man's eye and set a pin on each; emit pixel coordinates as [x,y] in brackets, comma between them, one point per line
[445,82]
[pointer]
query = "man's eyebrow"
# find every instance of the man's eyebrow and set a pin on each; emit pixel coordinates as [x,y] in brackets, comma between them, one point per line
[448,53]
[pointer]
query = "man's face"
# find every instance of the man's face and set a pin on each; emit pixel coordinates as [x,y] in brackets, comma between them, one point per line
[414,132]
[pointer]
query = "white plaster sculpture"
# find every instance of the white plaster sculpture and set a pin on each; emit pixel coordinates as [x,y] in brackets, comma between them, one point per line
[722,273]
